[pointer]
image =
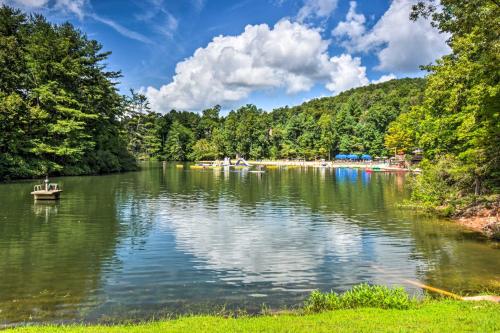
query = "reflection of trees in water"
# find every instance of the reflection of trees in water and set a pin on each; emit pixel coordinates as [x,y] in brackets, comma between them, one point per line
[457,259]
[285,220]
[367,200]
[349,192]
[52,253]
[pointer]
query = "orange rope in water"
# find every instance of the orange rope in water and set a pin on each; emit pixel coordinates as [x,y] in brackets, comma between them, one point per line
[424,286]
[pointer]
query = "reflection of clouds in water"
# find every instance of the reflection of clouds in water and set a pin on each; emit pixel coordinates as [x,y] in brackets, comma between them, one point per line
[270,243]
[278,243]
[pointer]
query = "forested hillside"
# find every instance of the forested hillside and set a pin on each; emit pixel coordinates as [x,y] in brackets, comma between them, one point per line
[352,122]
[59,108]
[60,112]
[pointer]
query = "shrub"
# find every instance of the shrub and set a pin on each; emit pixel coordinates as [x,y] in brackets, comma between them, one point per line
[362,295]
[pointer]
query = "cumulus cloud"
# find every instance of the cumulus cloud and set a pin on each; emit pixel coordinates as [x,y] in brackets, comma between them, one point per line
[289,56]
[401,45]
[347,73]
[385,78]
[354,25]
[316,9]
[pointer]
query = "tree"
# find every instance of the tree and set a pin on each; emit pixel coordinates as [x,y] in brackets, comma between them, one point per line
[59,106]
[462,101]
[179,142]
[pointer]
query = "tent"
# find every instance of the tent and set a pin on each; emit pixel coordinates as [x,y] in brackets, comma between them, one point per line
[340,157]
[352,156]
[366,157]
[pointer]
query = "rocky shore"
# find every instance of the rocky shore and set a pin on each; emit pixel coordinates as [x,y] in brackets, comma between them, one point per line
[483,217]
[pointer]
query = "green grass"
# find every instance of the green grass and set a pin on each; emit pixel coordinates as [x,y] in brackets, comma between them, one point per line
[433,316]
[364,308]
[360,296]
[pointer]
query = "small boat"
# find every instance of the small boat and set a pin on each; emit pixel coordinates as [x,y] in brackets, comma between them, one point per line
[198,167]
[180,166]
[46,191]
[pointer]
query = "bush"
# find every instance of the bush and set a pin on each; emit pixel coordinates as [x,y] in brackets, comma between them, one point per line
[362,295]
[438,188]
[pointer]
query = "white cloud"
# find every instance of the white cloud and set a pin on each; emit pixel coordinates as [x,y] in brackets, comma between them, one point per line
[353,26]
[316,9]
[401,45]
[290,56]
[158,17]
[25,3]
[76,7]
[385,78]
[82,9]
[348,73]
[122,30]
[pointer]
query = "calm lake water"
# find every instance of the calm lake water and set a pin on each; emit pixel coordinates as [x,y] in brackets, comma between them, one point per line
[168,240]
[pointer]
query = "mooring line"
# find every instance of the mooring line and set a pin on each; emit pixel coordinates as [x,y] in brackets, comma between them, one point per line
[423,286]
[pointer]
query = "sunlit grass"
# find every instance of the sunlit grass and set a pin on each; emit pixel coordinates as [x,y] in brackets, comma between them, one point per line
[362,295]
[362,309]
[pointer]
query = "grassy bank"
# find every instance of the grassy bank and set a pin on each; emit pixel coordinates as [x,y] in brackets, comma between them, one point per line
[362,309]
[436,316]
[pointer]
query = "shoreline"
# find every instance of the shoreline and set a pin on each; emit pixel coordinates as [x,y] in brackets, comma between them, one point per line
[372,166]
[481,217]
[432,316]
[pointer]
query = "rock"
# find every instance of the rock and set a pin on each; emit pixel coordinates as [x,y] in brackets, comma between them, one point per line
[492,229]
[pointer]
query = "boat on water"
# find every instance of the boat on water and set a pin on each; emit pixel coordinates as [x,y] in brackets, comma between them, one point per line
[46,191]
[197,166]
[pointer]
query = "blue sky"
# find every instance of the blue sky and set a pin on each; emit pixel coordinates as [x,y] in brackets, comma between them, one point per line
[281,52]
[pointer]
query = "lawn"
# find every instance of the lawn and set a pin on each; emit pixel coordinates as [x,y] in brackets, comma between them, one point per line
[432,316]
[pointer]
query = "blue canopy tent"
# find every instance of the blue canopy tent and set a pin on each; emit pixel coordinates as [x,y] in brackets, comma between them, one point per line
[353,157]
[366,157]
[340,157]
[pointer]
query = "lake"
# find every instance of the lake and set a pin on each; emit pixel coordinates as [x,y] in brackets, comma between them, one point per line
[166,240]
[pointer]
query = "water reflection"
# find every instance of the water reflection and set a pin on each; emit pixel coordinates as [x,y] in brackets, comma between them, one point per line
[168,240]
[46,209]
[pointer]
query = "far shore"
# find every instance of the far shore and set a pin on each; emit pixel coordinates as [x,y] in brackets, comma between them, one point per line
[379,165]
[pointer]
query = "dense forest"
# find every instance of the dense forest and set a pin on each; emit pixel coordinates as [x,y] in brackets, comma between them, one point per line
[353,122]
[59,108]
[60,111]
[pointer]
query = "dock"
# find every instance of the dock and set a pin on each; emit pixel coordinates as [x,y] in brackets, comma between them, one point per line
[46,191]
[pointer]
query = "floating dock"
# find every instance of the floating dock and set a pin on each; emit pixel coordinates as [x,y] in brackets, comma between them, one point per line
[46,191]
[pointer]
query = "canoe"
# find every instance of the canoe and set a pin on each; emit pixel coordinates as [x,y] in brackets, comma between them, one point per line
[179,166]
[197,167]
